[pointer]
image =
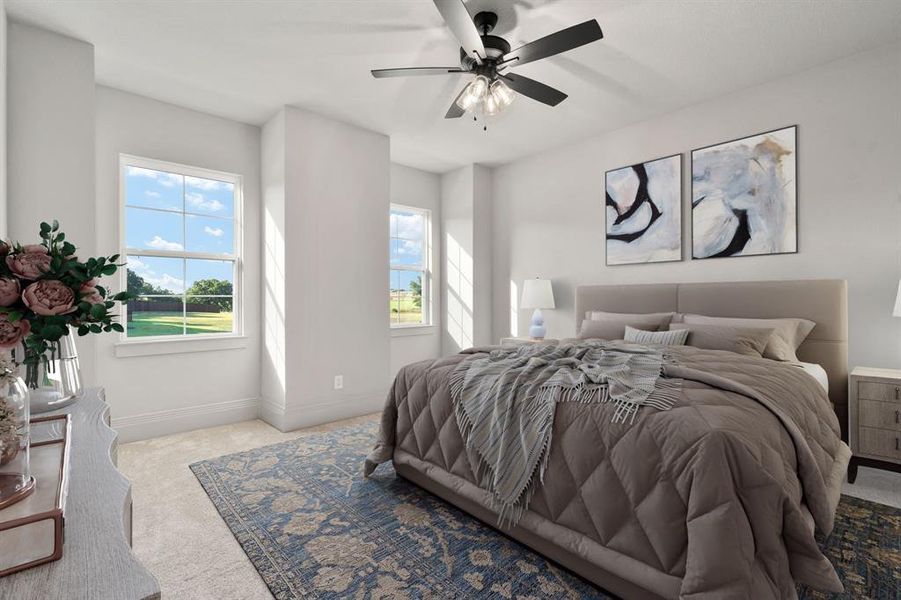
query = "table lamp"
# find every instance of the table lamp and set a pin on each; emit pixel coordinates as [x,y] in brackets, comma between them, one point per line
[537,294]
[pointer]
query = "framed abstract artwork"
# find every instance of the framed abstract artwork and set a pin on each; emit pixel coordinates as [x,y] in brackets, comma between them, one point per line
[744,196]
[644,212]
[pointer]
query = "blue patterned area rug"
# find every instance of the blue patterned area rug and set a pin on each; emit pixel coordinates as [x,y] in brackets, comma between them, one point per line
[314,528]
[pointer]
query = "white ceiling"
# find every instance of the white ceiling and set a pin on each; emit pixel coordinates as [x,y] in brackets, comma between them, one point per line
[245,59]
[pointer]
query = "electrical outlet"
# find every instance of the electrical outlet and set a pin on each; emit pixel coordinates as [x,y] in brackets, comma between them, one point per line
[339,382]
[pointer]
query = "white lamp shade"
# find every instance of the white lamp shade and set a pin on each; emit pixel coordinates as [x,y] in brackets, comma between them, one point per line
[537,293]
[897,311]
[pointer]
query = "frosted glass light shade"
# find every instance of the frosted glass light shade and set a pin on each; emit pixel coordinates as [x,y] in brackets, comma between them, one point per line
[490,107]
[475,92]
[498,98]
[537,293]
[502,93]
[897,311]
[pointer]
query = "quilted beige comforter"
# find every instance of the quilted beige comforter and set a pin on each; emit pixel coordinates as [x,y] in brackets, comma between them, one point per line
[718,497]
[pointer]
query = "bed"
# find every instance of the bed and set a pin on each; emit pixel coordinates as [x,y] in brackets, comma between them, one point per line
[719,496]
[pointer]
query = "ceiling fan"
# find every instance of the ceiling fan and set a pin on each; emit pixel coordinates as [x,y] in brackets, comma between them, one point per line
[489,56]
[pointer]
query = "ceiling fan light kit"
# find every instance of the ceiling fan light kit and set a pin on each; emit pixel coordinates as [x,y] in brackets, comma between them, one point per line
[492,98]
[474,93]
[488,56]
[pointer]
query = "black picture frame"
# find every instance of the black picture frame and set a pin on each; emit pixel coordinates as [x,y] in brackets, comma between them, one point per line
[692,204]
[681,202]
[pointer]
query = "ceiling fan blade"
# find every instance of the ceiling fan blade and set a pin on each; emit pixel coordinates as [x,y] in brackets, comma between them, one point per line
[534,89]
[460,23]
[455,112]
[404,72]
[563,40]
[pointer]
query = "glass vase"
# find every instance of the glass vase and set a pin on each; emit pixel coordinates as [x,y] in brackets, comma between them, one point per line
[16,481]
[54,380]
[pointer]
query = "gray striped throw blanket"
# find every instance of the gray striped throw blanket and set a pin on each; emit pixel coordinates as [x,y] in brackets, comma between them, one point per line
[505,403]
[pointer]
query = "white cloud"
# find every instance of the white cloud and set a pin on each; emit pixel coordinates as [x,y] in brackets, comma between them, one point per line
[164,281]
[408,247]
[207,184]
[161,177]
[159,243]
[138,266]
[407,225]
[152,194]
[197,201]
[213,231]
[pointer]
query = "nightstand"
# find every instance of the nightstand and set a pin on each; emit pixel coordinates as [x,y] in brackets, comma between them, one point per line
[524,341]
[874,419]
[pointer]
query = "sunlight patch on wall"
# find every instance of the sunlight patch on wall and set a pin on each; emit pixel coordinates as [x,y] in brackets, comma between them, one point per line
[274,297]
[458,300]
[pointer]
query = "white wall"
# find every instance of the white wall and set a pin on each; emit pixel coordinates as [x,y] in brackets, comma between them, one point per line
[50,143]
[412,187]
[466,253]
[273,361]
[176,391]
[482,232]
[335,228]
[549,219]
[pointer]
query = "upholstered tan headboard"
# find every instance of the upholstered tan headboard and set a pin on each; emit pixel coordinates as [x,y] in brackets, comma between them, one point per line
[823,301]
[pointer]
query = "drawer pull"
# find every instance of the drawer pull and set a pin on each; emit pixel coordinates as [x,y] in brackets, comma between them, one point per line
[896,443]
[897,393]
[897,416]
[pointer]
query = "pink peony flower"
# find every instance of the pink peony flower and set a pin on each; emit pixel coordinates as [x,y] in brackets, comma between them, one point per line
[12,333]
[49,297]
[9,291]
[31,263]
[89,292]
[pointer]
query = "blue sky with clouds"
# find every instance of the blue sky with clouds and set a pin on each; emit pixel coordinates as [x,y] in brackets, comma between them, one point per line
[406,246]
[166,211]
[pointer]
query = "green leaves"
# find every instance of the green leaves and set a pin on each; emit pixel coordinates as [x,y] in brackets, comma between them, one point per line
[52,333]
[98,311]
[64,266]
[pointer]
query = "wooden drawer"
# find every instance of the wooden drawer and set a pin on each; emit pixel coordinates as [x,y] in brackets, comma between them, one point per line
[882,415]
[886,392]
[880,442]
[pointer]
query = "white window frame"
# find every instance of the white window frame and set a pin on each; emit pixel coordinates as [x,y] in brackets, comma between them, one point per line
[425,269]
[163,344]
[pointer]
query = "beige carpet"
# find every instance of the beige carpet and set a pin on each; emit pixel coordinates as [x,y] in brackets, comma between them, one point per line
[180,537]
[178,534]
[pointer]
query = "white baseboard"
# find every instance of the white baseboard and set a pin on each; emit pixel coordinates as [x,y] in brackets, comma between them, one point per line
[273,413]
[317,413]
[164,422]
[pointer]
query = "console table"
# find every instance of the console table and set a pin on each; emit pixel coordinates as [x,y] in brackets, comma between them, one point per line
[97,561]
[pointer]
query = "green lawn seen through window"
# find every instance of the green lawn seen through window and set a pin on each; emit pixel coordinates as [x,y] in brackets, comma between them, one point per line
[405,308]
[147,323]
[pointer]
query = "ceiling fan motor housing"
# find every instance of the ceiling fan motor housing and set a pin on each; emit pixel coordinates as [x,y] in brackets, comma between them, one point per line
[495,47]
